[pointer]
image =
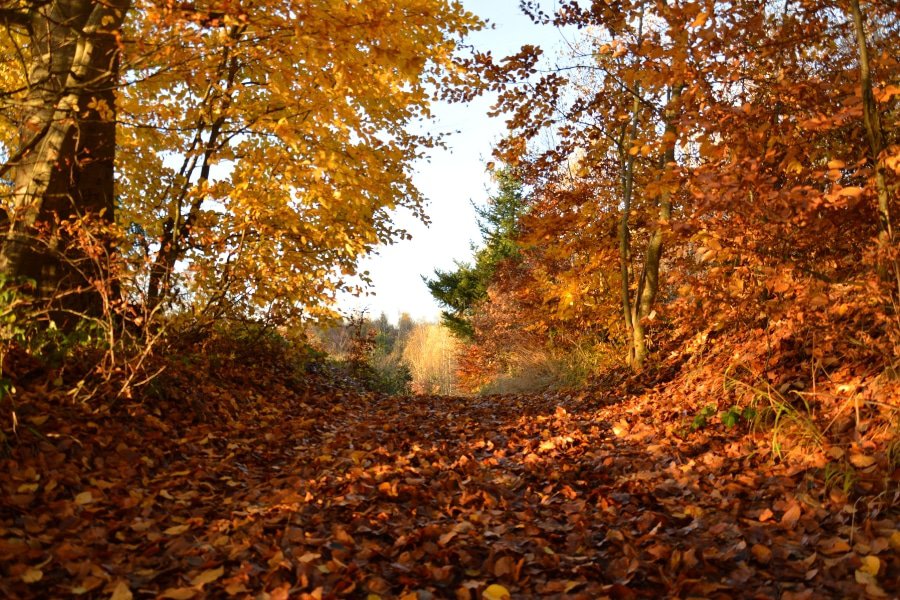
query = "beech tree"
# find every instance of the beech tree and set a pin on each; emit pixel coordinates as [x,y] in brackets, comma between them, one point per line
[66,53]
[616,112]
[251,151]
[721,165]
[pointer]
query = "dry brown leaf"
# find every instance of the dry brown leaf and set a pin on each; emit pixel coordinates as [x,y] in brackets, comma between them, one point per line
[791,516]
[862,461]
[122,591]
[504,566]
[177,529]
[761,553]
[182,593]
[208,576]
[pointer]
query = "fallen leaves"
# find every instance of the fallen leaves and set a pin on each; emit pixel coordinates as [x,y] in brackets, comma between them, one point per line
[121,592]
[761,553]
[177,529]
[182,593]
[84,498]
[862,461]
[426,497]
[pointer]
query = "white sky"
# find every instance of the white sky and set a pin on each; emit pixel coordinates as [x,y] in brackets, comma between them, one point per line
[450,180]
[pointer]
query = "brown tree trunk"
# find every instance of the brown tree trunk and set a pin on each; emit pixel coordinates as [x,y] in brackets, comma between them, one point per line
[64,166]
[875,135]
[627,159]
[648,283]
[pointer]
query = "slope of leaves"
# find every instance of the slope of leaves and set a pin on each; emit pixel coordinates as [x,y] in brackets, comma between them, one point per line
[233,479]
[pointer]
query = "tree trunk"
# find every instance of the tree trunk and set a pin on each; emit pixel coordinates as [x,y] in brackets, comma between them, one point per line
[875,135]
[175,238]
[64,167]
[626,159]
[648,283]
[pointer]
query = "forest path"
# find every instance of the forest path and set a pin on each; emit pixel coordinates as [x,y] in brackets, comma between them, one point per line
[426,497]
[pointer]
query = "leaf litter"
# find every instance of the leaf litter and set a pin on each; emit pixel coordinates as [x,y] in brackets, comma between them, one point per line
[323,492]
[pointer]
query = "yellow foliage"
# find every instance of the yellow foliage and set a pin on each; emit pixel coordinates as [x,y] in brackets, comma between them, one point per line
[263,143]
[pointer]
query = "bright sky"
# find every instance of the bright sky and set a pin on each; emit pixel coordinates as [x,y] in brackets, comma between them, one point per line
[450,180]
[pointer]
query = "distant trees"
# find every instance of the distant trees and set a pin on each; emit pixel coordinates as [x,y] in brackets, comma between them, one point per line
[462,289]
[398,359]
[431,352]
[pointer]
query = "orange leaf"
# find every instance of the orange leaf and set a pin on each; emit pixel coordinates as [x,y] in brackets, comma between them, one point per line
[761,553]
[851,192]
[177,529]
[121,591]
[861,460]
[791,516]
[700,20]
[504,566]
[834,546]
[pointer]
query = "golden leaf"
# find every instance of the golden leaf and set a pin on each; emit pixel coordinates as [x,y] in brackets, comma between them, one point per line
[495,592]
[870,565]
[32,575]
[208,576]
[862,461]
[121,591]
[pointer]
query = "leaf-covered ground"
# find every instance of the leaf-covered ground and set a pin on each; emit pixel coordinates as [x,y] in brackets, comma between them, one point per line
[303,494]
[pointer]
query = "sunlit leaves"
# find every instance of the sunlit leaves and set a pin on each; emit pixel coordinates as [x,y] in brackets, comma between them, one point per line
[326,491]
[275,140]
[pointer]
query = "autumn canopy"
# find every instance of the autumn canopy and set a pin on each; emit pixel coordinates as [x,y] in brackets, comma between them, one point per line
[241,154]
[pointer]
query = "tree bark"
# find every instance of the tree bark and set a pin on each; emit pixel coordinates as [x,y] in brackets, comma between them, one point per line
[627,160]
[875,135]
[64,167]
[648,283]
